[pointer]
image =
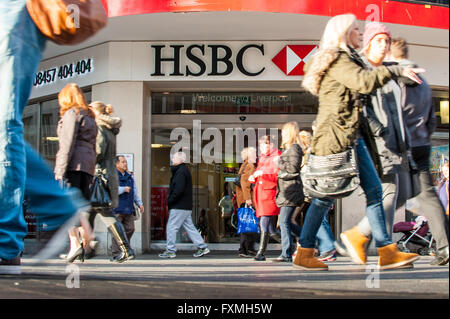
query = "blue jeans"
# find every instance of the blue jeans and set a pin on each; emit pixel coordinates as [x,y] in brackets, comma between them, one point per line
[22,171]
[371,184]
[325,237]
[286,227]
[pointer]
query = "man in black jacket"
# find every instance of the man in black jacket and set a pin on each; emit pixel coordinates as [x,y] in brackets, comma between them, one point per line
[421,122]
[179,203]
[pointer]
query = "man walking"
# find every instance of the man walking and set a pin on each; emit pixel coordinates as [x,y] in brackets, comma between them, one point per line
[128,196]
[180,209]
[420,119]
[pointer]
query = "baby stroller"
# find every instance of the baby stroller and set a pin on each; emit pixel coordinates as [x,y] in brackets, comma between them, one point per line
[416,237]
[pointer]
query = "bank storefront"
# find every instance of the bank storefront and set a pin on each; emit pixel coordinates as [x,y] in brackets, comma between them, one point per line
[206,98]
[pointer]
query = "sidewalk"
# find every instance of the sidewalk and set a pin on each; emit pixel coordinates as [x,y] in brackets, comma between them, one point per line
[222,275]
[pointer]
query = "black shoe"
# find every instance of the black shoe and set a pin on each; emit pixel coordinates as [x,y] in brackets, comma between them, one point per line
[282,259]
[441,257]
[260,257]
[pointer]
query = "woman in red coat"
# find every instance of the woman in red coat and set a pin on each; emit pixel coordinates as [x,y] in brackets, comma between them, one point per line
[265,180]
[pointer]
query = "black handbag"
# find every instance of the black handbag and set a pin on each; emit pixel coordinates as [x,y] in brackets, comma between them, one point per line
[333,176]
[100,193]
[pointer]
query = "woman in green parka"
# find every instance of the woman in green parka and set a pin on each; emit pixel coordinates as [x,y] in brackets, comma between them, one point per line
[108,128]
[337,76]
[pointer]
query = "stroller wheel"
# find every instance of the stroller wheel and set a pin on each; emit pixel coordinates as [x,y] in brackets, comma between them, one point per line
[423,251]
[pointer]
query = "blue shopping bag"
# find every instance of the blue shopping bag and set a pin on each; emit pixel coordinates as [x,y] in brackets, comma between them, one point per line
[247,221]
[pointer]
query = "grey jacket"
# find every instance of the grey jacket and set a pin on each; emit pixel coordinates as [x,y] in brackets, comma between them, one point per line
[108,128]
[418,110]
[391,137]
[77,134]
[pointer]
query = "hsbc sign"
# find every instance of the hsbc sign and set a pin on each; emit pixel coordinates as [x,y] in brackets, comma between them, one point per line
[292,58]
[229,60]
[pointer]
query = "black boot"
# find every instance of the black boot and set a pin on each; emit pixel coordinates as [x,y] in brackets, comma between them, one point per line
[264,240]
[441,257]
[118,232]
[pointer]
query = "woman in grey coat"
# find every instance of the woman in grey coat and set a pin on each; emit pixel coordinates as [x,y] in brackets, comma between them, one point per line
[108,128]
[76,158]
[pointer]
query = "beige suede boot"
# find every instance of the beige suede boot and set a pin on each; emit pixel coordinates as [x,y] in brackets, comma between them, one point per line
[390,257]
[305,260]
[356,244]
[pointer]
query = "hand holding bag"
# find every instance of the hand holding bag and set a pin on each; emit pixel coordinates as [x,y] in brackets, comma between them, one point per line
[247,221]
[334,176]
[100,193]
[67,21]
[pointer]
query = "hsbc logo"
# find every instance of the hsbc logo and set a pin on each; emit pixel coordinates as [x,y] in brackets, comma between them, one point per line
[292,58]
[236,60]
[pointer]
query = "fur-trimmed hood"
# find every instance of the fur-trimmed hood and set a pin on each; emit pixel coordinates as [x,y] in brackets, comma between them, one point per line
[111,122]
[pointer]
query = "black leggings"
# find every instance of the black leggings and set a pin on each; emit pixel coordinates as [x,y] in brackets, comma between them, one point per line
[80,180]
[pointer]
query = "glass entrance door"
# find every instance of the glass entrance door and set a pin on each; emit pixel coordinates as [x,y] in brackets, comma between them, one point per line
[213,191]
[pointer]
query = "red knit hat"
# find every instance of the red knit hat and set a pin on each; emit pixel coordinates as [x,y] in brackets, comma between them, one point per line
[372,29]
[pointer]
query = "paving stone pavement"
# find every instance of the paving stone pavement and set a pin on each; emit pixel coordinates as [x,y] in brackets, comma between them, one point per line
[221,275]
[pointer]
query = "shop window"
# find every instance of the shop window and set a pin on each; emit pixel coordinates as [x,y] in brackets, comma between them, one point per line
[31,124]
[40,120]
[441,107]
[233,103]
[49,122]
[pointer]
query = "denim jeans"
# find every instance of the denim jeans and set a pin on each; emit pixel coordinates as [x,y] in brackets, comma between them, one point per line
[286,227]
[371,185]
[390,185]
[325,237]
[23,173]
[178,218]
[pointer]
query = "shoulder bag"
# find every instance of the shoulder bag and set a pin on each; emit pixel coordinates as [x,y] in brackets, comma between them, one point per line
[67,22]
[100,193]
[333,176]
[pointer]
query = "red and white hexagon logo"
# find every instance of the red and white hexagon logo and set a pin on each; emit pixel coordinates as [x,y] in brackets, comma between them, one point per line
[292,58]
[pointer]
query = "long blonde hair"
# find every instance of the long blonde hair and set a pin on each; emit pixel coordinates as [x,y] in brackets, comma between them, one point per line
[335,38]
[71,96]
[291,136]
[305,138]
